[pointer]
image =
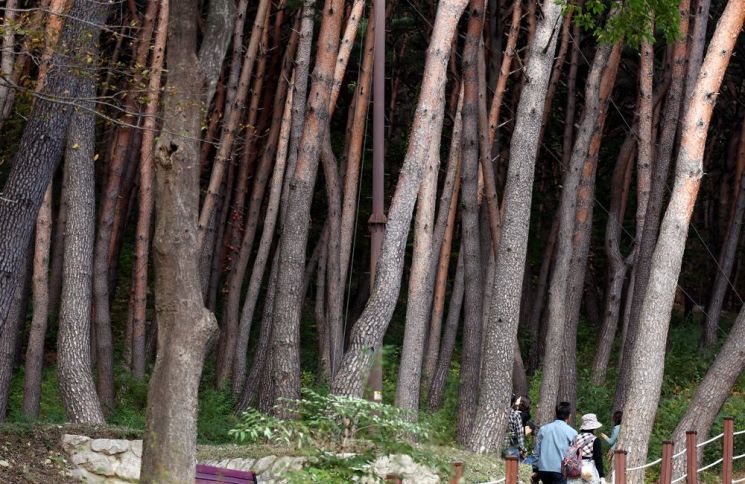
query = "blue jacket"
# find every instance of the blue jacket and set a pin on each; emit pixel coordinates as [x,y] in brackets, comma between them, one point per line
[551,444]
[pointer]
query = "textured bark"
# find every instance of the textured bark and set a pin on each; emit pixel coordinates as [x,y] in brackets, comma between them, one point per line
[559,314]
[354,152]
[58,249]
[558,67]
[236,100]
[471,239]
[501,327]
[534,325]
[184,325]
[441,249]
[265,246]
[649,351]
[10,336]
[77,389]
[646,245]
[35,350]
[287,305]
[118,156]
[261,359]
[437,390]
[367,333]
[418,309]
[146,200]
[571,109]
[617,265]
[214,45]
[585,201]
[7,58]
[261,178]
[713,390]
[696,47]
[41,145]
[722,281]
[504,71]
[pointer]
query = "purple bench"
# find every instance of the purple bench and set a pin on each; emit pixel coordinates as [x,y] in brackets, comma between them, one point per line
[210,474]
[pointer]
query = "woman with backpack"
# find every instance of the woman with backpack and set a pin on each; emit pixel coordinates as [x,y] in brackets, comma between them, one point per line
[585,454]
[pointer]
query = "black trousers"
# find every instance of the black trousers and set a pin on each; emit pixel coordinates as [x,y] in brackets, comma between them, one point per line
[551,477]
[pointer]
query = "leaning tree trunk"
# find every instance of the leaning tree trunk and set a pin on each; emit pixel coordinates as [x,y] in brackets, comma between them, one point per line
[285,350]
[727,257]
[648,238]
[77,389]
[649,351]
[617,266]
[501,327]
[418,307]
[559,317]
[713,390]
[35,350]
[184,325]
[41,145]
[437,389]
[369,329]
[585,201]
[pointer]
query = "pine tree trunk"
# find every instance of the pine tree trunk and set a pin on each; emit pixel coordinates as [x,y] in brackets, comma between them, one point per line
[713,391]
[367,333]
[184,325]
[265,246]
[41,145]
[617,266]
[727,255]
[139,358]
[10,336]
[77,389]
[501,327]
[437,389]
[119,154]
[354,152]
[285,362]
[649,351]
[559,315]
[261,178]
[648,239]
[35,350]
[418,309]
[7,58]
[58,249]
[534,326]
[442,245]
[471,240]
[585,201]
[236,100]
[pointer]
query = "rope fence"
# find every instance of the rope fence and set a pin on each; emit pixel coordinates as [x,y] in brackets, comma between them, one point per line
[691,451]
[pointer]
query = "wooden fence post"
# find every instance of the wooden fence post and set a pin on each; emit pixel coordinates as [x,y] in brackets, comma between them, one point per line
[619,466]
[392,479]
[666,468]
[510,467]
[691,457]
[728,450]
[457,473]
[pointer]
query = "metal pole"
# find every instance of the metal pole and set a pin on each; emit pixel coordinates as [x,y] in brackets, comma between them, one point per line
[377,219]
[666,470]
[728,450]
[691,458]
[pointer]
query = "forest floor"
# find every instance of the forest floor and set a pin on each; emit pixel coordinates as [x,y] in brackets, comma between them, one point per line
[34,455]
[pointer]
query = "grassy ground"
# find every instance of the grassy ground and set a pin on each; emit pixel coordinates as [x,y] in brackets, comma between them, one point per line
[685,365]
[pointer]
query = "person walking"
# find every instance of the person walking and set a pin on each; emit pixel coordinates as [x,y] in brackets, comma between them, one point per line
[514,439]
[591,451]
[552,443]
[611,441]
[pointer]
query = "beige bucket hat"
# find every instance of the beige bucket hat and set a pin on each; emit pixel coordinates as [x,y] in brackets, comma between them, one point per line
[590,422]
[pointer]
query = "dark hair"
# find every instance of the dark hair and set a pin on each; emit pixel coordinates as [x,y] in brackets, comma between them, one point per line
[524,404]
[563,410]
[617,416]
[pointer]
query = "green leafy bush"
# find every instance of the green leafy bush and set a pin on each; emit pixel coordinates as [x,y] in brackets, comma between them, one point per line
[329,421]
